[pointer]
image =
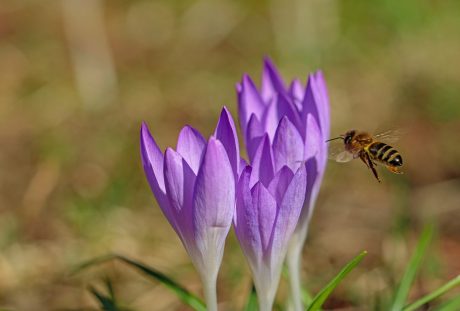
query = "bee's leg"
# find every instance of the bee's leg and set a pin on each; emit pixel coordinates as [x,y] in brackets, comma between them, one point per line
[371,166]
[394,169]
[363,157]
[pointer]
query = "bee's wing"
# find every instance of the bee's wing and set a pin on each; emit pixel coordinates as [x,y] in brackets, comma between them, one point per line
[389,136]
[344,157]
[338,153]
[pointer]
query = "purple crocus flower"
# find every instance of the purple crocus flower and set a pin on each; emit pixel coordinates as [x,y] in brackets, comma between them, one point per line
[194,186]
[268,206]
[303,112]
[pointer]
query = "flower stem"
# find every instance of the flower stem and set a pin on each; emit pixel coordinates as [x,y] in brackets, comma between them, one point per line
[210,293]
[265,302]
[293,264]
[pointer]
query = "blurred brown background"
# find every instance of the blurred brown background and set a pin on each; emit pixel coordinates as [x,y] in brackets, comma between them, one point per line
[78,77]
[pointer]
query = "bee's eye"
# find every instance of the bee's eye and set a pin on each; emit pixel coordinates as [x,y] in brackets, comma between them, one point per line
[347,139]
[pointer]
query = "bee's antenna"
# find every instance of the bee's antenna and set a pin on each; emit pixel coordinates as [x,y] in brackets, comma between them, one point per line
[340,137]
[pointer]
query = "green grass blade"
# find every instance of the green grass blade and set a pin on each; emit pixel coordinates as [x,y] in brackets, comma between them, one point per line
[251,304]
[450,305]
[411,271]
[110,290]
[433,295]
[306,297]
[107,303]
[92,262]
[321,297]
[183,294]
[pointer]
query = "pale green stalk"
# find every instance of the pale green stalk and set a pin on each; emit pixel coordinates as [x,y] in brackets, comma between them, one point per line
[210,291]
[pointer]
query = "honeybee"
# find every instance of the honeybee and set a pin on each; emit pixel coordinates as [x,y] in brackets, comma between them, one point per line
[370,149]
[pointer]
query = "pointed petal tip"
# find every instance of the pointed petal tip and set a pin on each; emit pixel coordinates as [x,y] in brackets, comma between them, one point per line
[285,121]
[225,112]
[188,128]
[268,61]
[144,129]
[169,152]
[238,87]
[285,168]
[247,82]
[213,144]
[247,169]
[147,140]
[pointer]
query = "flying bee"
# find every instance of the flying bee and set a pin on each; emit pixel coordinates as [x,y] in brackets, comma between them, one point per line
[370,149]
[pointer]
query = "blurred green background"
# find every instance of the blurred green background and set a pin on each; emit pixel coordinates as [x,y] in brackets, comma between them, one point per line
[78,77]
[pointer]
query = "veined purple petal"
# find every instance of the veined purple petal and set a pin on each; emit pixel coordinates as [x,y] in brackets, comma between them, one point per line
[270,119]
[271,81]
[214,197]
[262,164]
[179,182]
[323,107]
[313,140]
[254,135]
[226,133]
[312,190]
[289,211]
[287,146]
[286,107]
[152,156]
[249,102]
[174,179]
[280,182]
[242,166]
[190,145]
[311,102]
[152,161]
[267,210]
[246,218]
[297,91]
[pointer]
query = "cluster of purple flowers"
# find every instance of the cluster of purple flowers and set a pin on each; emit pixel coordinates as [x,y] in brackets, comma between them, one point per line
[204,186]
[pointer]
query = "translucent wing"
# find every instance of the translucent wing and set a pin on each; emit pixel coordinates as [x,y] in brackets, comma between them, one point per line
[389,136]
[344,157]
[338,153]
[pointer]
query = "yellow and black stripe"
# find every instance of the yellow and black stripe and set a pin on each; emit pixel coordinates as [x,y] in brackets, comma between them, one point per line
[385,153]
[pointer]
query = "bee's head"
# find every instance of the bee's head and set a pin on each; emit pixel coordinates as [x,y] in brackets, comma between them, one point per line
[348,136]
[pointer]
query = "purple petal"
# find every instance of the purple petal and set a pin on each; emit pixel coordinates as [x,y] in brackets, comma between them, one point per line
[297,91]
[190,145]
[271,118]
[152,156]
[249,102]
[323,107]
[174,179]
[313,141]
[288,146]
[179,182]
[214,196]
[152,161]
[242,166]
[280,182]
[266,208]
[226,133]
[311,102]
[271,81]
[289,212]
[246,219]
[254,135]
[287,108]
[262,165]
[314,179]
[312,190]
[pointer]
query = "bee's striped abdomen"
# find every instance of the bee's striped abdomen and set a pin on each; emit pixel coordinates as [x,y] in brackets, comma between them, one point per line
[385,153]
